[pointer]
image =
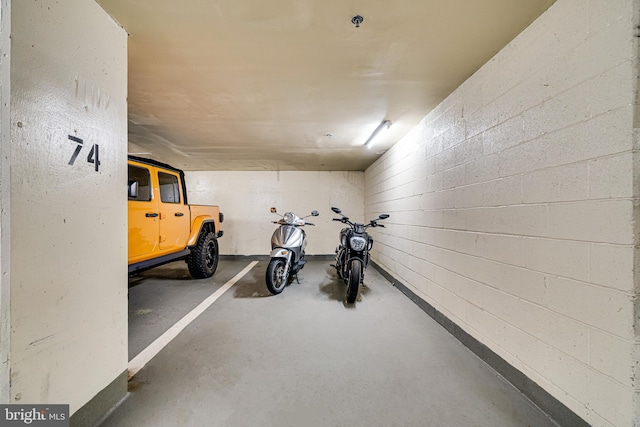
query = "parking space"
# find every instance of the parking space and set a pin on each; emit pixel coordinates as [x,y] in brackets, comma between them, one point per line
[160,297]
[304,358]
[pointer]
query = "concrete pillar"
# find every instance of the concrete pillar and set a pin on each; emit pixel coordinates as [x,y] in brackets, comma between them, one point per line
[63,235]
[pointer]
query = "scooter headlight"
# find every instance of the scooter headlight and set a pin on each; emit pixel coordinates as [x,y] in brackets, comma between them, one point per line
[357,243]
[289,218]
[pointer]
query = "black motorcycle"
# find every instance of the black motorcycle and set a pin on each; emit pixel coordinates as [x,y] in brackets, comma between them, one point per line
[352,256]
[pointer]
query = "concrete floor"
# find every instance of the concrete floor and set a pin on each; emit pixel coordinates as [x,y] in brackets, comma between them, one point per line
[303,358]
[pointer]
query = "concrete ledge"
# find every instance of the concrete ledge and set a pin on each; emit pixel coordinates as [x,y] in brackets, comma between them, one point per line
[95,411]
[549,404]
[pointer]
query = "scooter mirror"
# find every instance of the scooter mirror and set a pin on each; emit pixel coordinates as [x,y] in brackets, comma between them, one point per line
[273,210]
[314,213]
[383,216]
[336,210]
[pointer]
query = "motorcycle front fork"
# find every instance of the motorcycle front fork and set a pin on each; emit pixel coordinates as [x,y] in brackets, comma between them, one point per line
[288,269]
[338,263]
[342,269]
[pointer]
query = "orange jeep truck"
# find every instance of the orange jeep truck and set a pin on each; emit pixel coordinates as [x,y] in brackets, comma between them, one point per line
[163,227]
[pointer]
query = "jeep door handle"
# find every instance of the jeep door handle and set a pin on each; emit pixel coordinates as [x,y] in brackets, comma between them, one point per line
[151,214]
[179,214]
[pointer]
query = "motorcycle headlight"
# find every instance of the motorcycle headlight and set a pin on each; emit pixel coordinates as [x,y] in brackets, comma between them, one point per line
[357,243]
[289,218]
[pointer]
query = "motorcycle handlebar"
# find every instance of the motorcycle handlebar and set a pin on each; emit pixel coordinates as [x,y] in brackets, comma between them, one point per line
[305,223]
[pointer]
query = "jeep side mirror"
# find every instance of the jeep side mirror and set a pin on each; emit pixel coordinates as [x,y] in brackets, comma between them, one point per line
[336,210]
[133,189]
[314,213]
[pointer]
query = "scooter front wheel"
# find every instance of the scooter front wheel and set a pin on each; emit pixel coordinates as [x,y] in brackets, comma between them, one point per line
[276,276]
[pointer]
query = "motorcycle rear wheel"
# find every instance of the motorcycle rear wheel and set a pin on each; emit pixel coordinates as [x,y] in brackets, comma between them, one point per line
[355,275]
[276,277]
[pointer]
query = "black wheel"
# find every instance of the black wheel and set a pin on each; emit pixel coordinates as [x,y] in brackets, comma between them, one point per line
[203,259]
[355,274]
[276,277]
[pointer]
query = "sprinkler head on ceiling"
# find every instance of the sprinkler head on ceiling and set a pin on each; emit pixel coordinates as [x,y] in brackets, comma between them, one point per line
[357,20]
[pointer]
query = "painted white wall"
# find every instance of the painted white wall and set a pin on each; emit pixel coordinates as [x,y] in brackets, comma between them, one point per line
[512,207]
[245,199]
[5,196]
[68,222]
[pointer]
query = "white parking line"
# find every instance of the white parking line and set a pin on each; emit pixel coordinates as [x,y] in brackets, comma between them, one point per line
[154,348]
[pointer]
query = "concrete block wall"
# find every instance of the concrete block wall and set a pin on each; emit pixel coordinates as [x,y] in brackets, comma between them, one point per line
[68,219]
[512,207]
[245,198]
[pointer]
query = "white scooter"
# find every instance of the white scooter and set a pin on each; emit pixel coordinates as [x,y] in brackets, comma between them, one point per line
[287,250]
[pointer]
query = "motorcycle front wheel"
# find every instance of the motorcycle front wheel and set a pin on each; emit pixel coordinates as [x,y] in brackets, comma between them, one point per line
[355,275]
[276,277]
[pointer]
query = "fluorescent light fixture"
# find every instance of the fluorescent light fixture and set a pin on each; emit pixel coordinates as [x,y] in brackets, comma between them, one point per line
[382,126]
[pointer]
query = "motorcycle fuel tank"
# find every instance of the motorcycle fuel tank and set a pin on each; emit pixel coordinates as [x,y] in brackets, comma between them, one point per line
[287,236]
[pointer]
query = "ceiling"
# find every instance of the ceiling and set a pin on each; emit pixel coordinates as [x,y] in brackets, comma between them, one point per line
[294,84]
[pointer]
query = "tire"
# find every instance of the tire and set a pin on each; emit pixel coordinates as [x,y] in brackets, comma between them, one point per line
[355,274]
[203,259]
[276,278]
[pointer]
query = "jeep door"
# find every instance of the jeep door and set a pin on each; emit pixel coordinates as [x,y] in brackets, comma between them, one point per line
[174,214]
[144,223]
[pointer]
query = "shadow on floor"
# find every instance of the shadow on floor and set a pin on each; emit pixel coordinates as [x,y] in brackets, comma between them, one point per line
[335,288]
[174,271]
[253,285]
[253,290]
